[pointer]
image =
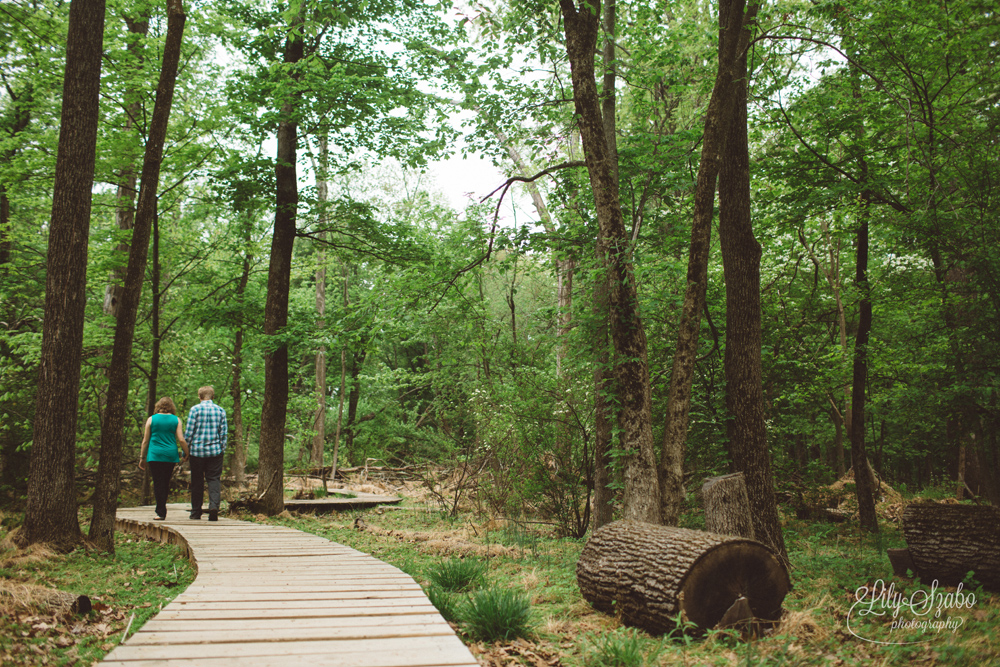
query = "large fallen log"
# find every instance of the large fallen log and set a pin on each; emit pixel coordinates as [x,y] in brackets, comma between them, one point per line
[652,575]
[946,542]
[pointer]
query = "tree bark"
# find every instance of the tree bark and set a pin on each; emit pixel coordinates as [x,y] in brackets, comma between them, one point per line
[863,484]
[50,515]
[154,357]
[270,485]
[322,196]
[946,542]
[641,498]
[651,574]
[727,506]
[125,197]
[732,40]
[238,464]
[102,525]
[741,264]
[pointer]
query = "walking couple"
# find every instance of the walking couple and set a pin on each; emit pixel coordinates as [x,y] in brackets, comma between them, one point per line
[203,441]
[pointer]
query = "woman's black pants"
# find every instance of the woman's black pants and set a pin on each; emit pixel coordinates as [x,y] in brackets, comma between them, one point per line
[161,472]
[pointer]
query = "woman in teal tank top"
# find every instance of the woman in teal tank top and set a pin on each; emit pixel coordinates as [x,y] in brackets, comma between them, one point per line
[160,438]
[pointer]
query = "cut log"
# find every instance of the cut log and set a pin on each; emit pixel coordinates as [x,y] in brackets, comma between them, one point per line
[727,506]
[652,574]
[946,542]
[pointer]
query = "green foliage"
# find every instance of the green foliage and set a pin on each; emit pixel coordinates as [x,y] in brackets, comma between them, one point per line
[497,614]
[458,574]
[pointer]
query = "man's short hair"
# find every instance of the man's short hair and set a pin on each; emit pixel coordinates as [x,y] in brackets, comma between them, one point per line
[206,393]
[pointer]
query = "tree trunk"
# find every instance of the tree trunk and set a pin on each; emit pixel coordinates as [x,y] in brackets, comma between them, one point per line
[641,500]
[741,263]
[238,464]
[727,506]
[50,515]
[732,40]
[322,197]
[946,542]
[125,197]
[859,456]
[270,484]
[154,358]
[102,525]
[651,574]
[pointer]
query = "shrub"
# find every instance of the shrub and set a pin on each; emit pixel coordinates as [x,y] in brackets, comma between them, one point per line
[458,574]
[496,614]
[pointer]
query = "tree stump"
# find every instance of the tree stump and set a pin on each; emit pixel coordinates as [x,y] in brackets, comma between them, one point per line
[650,574]
[946,542]
[727,506]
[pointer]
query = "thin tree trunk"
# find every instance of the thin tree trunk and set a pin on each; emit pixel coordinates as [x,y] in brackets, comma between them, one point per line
[102,524]
[238,464]
[322,196]
[50,514]
[717,122]
[270,484]
[641,499]
[741,263]
[603,493]
[125,197]
[340,393]
[859,457]
[154,360]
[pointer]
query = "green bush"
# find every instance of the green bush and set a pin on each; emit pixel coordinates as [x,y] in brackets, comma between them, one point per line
[458,574]
[497,614]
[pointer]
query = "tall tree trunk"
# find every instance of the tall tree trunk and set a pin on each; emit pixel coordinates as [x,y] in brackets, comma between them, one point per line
[603,378]
[125,197]
[50,515]
[741,264]
[154,357]
[270,481]
[863,482]
[322,196]
[343,380]
[102,524]
[641,499]
[718,117]
[238,464]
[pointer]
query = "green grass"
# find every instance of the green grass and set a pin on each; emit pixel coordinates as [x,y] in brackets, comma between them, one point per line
[497,614]
[458,574]
[830,561]
[129,587]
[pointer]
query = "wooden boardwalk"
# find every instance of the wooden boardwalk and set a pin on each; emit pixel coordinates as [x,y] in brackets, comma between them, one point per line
[269,595]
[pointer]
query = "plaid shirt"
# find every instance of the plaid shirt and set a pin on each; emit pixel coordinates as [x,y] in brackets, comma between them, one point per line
[206,429]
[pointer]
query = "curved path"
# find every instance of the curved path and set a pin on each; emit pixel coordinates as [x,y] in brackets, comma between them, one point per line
[269,595]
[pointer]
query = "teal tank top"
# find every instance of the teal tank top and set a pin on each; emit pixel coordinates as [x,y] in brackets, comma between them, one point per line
[163,438]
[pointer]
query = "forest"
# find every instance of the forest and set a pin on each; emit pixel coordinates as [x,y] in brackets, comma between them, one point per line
[728,237]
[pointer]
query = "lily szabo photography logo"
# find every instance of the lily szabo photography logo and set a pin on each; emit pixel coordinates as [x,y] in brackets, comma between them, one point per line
[883,615]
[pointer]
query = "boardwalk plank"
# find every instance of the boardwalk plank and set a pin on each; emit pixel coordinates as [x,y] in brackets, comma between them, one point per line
[268,595]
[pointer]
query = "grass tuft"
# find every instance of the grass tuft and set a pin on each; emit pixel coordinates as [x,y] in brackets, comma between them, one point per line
[458,574]
[615,649]
[497,614]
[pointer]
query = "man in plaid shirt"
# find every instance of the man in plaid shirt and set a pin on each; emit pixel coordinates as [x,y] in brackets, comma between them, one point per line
[206,433]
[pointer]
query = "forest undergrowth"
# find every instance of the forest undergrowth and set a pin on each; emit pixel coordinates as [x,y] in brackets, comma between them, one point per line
[510,560]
